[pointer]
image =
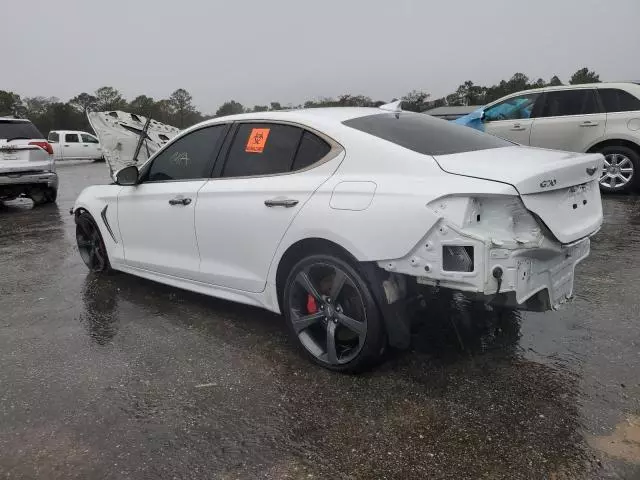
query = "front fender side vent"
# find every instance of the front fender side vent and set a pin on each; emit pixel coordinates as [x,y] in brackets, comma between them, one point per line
[103,214]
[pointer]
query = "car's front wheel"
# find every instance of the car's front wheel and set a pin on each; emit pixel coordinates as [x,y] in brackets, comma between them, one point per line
[332,314]
[621,169]
[90,244]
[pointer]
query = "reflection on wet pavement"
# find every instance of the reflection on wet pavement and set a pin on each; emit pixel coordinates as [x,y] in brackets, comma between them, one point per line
[118,377]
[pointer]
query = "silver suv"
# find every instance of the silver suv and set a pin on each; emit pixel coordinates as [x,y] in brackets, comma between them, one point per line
[600,117]
[27,167]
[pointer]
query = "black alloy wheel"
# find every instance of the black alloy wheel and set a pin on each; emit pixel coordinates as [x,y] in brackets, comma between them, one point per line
[90,244]
[332,314]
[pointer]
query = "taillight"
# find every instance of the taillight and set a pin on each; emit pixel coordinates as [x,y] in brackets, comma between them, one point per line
[46,146]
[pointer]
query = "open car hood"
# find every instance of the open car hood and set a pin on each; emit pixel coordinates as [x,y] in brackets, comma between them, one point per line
[119,133]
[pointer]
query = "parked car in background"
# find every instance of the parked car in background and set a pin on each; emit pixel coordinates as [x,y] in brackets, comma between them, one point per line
[339,217]
[27,167]
[74,145]
[601,117]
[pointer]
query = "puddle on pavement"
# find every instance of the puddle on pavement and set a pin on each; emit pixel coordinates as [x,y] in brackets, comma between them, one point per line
[623,443]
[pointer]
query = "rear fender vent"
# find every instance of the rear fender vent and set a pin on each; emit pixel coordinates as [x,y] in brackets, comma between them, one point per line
[457,258]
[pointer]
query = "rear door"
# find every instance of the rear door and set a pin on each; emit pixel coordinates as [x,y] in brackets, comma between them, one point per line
[156,217]
[90,146]
[71,146]
[570,120]
[512,118]
[270,171]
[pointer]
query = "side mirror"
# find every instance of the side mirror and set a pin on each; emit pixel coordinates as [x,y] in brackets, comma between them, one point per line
[483,116]
[127,176]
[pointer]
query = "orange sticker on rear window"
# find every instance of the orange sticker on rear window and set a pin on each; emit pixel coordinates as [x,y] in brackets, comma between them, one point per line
[257,140]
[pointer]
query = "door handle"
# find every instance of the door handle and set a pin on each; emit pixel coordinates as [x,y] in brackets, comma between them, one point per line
[179,201]
[66,144]
[281,202]
[518,128]
[85,145]
[589,124]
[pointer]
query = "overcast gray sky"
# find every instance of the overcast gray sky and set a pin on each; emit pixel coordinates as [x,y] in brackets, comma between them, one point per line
[257,51]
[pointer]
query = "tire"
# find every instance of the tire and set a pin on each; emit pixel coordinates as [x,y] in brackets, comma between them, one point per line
[91,245]
[351,320]
[43,196]
[621,172]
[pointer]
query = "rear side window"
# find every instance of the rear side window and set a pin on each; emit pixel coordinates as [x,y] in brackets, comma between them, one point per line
[616,100]
[71,138]
[570,102]
[425,134]
[88,138]
[312,149]
[54,137]
[262,149]
[11,129]
[189,157]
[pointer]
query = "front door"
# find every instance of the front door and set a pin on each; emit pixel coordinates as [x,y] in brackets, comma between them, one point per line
[569,120]
[156,217]
[512,118]
[270,172]
[71,147]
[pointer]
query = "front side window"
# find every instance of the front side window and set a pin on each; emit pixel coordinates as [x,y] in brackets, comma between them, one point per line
[71,138]
[425,134]
[188,157]
[54,137]
[515,108]
[616,100]
[561,103]
[262,149]
[88,138]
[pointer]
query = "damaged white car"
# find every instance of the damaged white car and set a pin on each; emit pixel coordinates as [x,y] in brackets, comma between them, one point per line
[338,218]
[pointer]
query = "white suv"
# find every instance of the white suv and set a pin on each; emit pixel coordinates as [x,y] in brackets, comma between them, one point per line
[600,117]
[27,167]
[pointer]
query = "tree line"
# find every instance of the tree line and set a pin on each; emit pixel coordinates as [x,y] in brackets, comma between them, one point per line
[50,113]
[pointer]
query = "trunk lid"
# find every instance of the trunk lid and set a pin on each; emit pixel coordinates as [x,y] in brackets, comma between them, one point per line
[19,156]
[561,188]
[16,153]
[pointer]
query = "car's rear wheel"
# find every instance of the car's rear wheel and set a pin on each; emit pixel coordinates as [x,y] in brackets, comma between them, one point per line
[332,314]
[621,169]
[90,244]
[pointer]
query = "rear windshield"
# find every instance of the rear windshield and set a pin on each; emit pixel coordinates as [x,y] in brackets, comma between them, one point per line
[424,134]
[10,129]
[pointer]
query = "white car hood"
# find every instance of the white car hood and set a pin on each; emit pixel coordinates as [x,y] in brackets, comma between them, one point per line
[119,133]
[529,170]
[561,188]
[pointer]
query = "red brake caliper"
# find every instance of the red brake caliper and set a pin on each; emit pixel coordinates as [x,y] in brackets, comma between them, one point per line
[311,304]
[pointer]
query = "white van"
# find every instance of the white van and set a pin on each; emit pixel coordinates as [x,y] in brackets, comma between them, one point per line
[74,145]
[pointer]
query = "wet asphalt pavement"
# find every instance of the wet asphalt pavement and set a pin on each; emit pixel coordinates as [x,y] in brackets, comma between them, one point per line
[117,377]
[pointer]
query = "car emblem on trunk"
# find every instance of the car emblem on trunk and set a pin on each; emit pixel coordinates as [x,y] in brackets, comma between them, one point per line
[548,183]
[591,170]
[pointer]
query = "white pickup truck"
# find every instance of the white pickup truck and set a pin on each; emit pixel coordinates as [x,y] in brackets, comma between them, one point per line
[74,145]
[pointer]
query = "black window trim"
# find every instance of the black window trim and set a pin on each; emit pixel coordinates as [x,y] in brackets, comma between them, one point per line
[144,169]
[599,104]
[336,149]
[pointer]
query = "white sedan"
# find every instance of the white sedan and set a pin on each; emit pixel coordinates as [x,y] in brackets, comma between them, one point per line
[338,217]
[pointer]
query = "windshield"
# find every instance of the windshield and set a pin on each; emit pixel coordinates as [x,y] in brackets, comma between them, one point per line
[424,134]
[10,129]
